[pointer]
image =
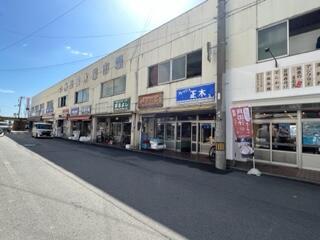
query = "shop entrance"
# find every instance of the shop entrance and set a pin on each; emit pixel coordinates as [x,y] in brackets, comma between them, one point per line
[276,140]
[183,143]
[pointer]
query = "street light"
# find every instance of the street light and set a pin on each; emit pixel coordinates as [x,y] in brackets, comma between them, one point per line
[269,51]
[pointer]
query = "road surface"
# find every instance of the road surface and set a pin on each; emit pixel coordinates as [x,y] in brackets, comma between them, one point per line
[56,189]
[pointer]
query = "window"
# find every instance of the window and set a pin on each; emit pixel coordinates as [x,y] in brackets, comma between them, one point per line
[153,76]
[187,66]
[62,101]
[304,33]
[194,64]
[95,74]
[311,137]
[105,68]
[179,68]
[113,87]
[49,107]
[164,72]
[206,133]
[82,96]
[119,85]
[275,38]
[119,62]
[284,136]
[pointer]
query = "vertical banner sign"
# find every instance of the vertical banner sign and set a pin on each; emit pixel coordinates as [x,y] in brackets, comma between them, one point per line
[260,82]
[276,80]
[317,74]
[242,125]
[269,81]
[308,75]
[285,78]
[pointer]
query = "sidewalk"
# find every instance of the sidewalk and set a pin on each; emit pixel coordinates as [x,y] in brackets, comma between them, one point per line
[292,173]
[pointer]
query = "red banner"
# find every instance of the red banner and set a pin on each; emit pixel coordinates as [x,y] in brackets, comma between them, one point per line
[241,117]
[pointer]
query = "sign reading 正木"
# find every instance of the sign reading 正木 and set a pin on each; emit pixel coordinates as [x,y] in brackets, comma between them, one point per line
[121,105]
[196,93]
[74,111]
[151,100]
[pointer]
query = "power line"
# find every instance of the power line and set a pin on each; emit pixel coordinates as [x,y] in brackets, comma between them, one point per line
[103,55]
[42,27]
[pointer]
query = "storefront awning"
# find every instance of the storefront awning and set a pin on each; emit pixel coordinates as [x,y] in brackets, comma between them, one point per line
[80,118]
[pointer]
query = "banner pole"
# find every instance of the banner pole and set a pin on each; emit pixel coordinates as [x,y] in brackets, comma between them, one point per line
[254,170]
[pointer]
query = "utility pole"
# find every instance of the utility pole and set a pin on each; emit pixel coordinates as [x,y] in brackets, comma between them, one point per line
[19,105]
[220,133]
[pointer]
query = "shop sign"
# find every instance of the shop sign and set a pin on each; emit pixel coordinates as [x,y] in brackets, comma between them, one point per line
[121,105]
[241,118]
[242,125]
[85,110]
[74,111]
[151,100]
[290,77]
[197,93]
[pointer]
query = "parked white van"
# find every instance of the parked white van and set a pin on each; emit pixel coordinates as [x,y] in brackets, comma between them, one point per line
[42,129]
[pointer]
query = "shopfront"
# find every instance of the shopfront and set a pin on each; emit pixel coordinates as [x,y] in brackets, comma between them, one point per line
[115,128]
[62,123]
[181,132]
[80,119]
[288,135]
[187,127]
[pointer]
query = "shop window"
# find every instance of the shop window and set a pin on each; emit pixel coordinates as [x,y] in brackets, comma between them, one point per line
[194,64]
[304,32]
[170,129]
[113,87]
[261,136]
[206,133]
[160,130]
[62,101]
[311,114]
[311,137]
[105,68]
[95,74]
[164,72]
[82,96]
[284,136]
[275,38]
[179,68]
[153,76]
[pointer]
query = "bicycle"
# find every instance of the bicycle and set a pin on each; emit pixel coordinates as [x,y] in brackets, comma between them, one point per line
[212,153]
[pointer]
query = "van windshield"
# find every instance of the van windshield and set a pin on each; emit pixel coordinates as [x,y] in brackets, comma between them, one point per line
[43,126]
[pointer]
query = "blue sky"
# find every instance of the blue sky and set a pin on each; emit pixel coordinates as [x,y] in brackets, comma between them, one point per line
[92,29]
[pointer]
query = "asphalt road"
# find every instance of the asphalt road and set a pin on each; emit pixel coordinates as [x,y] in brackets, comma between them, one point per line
[159,198]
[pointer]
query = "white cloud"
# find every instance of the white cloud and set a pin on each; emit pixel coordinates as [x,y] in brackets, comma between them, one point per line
[77,52]
[6,91]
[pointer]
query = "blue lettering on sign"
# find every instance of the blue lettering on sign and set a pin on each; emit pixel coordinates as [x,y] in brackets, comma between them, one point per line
[197,93]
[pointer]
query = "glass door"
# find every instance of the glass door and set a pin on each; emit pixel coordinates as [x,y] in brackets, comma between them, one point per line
[178,137]
[284,142]
[194,138]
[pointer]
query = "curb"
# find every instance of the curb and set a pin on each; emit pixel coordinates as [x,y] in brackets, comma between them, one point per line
[303,180]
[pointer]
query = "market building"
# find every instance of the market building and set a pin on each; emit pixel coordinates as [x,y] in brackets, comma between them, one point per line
[283,92]
[164,85]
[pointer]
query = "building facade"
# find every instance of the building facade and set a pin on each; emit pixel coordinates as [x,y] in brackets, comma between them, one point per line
[163,85]
[285,99]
